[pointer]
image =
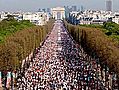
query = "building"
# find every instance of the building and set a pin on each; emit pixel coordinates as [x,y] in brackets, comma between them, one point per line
[101,22]
[116,18]
[39,10]
[108,5]
[67,11]
[48,10]
[82,9]
[38,18]
[3,15]
[43,10]
[74,8]
[58,13]
[0,17]
[93,17]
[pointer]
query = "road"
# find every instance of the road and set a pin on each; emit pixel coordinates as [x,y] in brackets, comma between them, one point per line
[61,64]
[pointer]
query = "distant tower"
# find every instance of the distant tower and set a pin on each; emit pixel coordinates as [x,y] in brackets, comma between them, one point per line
[48,10]
[109,5]
[44,10]
[82,8]
[74,8]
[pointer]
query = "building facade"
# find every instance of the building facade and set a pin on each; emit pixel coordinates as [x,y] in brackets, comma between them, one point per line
[116,18]
[38,18]
[58,13]
[108,5]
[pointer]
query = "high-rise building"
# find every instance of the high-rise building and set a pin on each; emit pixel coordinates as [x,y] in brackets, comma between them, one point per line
[109,5]
[74,8]
[48,10]
[39,10]
[82,8]
[44,10]
[67,11]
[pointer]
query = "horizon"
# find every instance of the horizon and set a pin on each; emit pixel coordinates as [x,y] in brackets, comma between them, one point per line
[16,5]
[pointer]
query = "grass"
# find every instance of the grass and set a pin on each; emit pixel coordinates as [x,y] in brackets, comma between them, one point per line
[8,27]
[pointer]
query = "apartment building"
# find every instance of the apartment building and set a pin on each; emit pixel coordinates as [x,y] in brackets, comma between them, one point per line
[93,17]
[116,18]
[38,18]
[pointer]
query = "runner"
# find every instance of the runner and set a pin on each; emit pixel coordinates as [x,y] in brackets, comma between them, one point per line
[61,64]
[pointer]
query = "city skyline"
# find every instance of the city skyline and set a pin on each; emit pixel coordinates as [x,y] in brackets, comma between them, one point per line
[34,5]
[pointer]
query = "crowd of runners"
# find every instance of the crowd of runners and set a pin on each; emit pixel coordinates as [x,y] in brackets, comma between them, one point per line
[61,64]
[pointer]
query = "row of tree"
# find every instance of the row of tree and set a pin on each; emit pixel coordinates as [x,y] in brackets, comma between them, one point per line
[97,44]
[111,29]
[20,44]
[10,25]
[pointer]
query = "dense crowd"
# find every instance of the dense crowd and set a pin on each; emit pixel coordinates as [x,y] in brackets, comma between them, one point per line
[61,64]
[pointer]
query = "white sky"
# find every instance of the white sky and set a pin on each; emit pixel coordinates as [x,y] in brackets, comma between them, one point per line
[34,5]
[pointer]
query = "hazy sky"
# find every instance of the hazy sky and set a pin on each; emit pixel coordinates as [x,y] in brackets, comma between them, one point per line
[33,5]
